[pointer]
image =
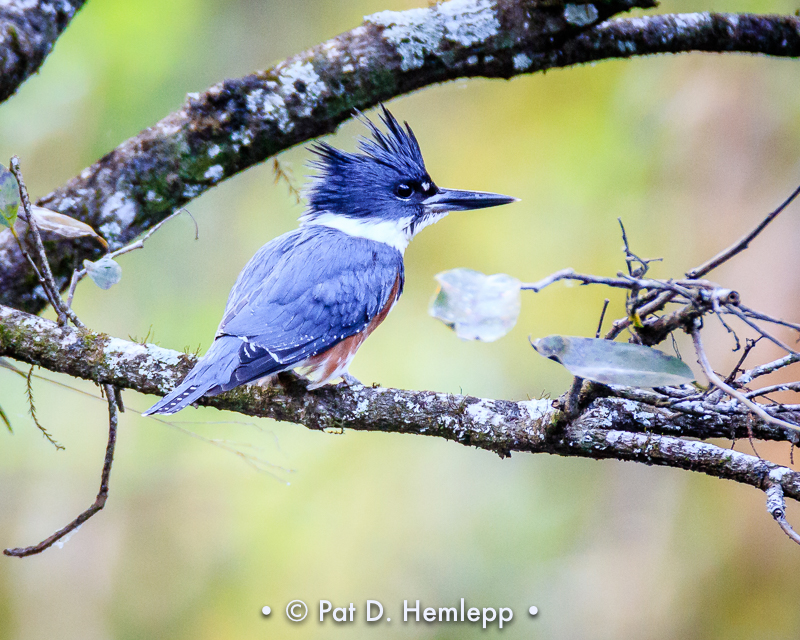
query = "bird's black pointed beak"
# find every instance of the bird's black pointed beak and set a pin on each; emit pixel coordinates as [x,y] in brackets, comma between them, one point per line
[455,200]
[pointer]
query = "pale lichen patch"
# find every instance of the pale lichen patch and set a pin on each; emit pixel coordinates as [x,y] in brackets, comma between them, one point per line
[469,22]
[483,414]
[522,61]
[119,207]
[268,104]
[242,137]
[66,204]
[214,173]
[419,32]
[413,33]
[776,475]
[148,358]
[361,408]
[110,230]
[580,15]
[301,79]
[689,21]
[537,410]
[192,190]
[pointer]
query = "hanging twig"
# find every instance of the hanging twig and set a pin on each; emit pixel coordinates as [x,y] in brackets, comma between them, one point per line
[80,274]
[285,175]
[102,495]
[733,310]
[32,412]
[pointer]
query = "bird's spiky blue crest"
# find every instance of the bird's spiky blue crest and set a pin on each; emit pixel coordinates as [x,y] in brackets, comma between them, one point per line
[359,184]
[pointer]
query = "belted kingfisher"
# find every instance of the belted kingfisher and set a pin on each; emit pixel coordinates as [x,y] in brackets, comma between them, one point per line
[309,298]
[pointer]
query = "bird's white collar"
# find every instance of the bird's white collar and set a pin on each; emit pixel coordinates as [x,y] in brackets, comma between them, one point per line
[395,233]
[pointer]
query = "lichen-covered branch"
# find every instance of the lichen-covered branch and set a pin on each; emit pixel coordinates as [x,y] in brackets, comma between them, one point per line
[608,427]
[243,121]
[28,31]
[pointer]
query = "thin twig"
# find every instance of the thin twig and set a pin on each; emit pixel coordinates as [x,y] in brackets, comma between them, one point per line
[46,275]
[631,257]
[762,316]
[698,272]
[776,507]
[623,282]
[738,344]
[766,369]
[49,281]
[574,397]
[602,316]
[32,412]
[102,496]
[720,384]
[80,274]
[733,310]
[774,388]
[749,345]
[657,304]
[742,244]
[286,176]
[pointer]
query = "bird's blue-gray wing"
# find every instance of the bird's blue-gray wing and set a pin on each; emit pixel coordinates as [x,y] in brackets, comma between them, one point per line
[314,288]
[298,296]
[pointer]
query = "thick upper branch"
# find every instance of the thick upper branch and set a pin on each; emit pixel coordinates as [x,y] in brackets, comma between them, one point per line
[607,428]
[240,122]
[28,31]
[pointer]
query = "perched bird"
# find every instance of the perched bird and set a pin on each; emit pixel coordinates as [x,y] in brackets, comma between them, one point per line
[309,298]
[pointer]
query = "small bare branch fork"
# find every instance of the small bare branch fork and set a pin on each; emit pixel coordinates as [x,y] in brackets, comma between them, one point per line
[698,297]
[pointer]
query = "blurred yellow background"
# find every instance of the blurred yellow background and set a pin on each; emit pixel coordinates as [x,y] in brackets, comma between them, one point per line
[691,151]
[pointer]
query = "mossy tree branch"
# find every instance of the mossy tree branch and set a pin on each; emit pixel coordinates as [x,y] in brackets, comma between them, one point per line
[240,122]
[607,428]
[28,31]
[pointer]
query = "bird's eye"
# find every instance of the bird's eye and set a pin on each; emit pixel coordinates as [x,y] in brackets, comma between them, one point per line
[403,191]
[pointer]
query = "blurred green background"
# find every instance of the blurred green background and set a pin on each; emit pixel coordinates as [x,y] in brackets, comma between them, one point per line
[689,150]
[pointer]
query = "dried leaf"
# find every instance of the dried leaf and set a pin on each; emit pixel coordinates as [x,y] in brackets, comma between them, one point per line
[9,198]
[105,273]
[476,306]
[621,363]
[65,226]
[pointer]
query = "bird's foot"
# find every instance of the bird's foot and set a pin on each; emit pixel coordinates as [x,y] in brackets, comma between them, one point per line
[351,381]
[266,381]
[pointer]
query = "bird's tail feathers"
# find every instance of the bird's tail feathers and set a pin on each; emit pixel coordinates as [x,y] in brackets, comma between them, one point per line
[211,371]
[180,397]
